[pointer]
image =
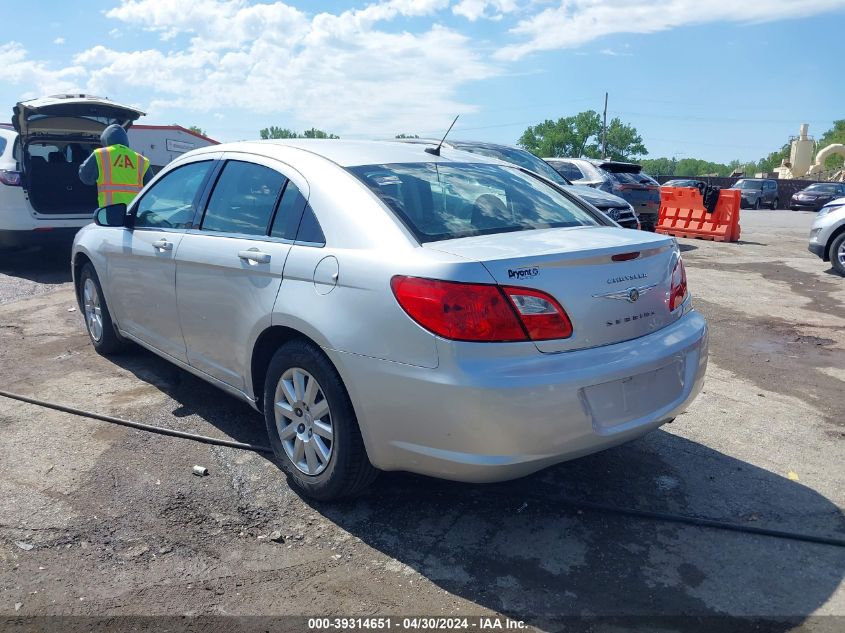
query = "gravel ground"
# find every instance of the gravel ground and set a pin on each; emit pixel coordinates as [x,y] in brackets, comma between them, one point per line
[102,520]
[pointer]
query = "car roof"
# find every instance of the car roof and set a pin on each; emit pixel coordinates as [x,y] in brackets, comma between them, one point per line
[351,153]
[456,144]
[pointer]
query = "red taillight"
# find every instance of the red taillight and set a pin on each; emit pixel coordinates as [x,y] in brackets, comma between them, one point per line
[480,312]
[542,316]
[10,178]
[678,290]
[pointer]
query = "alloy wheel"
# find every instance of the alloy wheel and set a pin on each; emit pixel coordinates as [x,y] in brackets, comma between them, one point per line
[304,421]
[93,309]
[840,254]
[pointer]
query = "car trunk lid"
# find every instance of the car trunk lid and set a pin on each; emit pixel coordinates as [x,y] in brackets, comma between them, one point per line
[70,115]
[614,284]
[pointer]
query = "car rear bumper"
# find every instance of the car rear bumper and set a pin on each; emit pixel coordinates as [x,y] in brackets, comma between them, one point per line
[22,239]
[478,418]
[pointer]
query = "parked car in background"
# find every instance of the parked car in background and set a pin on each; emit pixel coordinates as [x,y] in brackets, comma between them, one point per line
[42,199]
[614,207]
[512,325]
[817,195]
[827,235]
[625,180]
[758,193]
[684,182]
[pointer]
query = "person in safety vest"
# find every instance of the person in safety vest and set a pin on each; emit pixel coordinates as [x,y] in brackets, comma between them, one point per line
[119,172]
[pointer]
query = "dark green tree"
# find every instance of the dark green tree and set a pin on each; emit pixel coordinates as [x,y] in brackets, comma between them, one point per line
[623,142]
[580,135]
[568,136]
[277,132]
[315,133]
[283,132]
[197,129]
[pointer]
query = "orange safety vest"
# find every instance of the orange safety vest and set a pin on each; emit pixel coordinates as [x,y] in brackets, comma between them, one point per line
[121,174]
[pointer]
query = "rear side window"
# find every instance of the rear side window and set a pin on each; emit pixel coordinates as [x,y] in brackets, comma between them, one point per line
[243,199]
[309,229]
[569,170]
[446,201]
[286,222]
[170,202]
[3,144]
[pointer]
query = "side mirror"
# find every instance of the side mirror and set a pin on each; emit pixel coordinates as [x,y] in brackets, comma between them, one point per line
[112,215]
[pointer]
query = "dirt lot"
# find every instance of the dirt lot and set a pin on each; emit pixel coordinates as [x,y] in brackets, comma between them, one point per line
[98,519]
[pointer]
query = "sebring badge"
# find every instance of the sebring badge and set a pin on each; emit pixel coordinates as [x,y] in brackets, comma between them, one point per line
[631,295]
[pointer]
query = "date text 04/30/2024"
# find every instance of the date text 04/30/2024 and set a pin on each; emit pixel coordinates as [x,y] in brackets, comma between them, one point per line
[481,623]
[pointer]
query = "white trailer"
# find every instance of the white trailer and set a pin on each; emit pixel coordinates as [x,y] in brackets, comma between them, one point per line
[163,143]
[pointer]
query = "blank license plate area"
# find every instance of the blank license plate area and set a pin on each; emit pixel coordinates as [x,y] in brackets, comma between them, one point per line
[620,401]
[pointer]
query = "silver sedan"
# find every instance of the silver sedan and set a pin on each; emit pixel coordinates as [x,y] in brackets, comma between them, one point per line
[387,307]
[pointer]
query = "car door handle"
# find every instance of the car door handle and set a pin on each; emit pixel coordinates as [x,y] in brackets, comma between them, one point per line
[163,245]
[254,255]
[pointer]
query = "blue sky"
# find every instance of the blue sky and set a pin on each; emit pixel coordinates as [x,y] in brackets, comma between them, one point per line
[719,82]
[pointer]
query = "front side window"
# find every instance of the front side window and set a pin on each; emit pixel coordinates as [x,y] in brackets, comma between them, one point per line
[446,201]
[243,199]
[170,203]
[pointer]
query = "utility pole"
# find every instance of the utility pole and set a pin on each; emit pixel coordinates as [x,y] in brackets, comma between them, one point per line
[604,131]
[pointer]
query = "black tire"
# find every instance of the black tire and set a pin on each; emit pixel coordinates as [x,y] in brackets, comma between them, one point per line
[109,342]
[348,470]
[835,246]
[648,223]
[775,204]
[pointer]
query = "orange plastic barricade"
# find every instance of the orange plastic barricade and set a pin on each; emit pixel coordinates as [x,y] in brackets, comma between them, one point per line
[683,214]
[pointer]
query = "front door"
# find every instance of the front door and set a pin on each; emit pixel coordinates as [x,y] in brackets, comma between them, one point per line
[229,270]
[142,265]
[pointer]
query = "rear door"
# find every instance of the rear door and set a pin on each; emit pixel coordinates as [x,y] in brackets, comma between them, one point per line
[141,261]
[229,269]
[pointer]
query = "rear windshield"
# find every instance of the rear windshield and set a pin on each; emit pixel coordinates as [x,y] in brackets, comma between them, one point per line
[749,184]
[446,201]
[517,157]
[625,178]
[821,188]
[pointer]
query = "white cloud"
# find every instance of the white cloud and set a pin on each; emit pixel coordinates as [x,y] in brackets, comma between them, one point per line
[59,40]
[613,53]
[473,10]
[576,22]
[343,72]
[17,68]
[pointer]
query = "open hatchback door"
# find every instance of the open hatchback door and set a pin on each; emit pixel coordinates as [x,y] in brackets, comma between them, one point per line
[70,115]
[57,134]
